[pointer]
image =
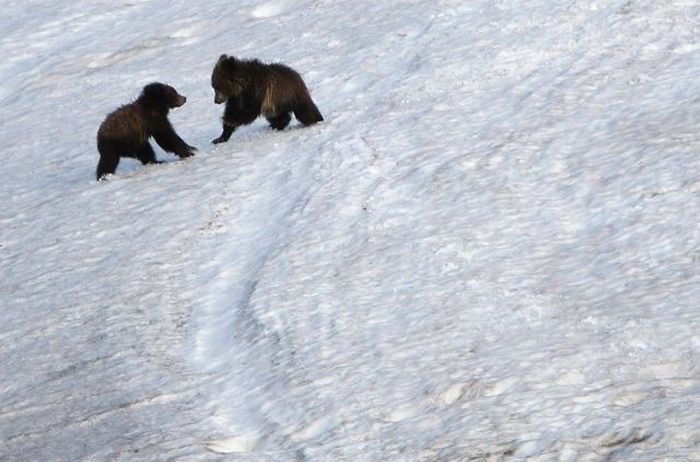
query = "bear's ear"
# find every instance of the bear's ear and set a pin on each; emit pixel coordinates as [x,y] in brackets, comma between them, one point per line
[154,90]
[222,58]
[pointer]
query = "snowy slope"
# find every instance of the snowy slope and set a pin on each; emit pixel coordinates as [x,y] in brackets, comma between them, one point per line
[489,250]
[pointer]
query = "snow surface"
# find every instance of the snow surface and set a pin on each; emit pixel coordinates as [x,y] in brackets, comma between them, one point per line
[489,250]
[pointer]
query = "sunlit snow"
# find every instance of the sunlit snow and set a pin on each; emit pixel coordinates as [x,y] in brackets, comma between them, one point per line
[490,249]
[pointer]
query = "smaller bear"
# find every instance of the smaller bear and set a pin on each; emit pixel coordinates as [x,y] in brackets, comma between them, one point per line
[251,88]
[125,132]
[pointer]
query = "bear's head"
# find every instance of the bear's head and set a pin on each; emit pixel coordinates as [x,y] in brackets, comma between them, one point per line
[161,96]
[227,79]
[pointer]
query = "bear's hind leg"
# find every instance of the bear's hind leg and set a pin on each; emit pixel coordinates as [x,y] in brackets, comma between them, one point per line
[146,155]
[280,121]
[107,165]
[306,111]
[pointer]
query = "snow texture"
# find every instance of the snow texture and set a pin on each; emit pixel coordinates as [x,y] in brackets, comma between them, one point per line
[488,251]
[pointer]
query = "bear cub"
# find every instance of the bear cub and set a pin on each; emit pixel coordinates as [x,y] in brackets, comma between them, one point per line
[250,88]
[125,132]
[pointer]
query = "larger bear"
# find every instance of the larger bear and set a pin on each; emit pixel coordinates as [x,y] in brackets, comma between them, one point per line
[250,89]
[125,132]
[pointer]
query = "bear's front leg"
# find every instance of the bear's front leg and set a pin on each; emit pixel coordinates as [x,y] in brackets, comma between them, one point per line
[146,155]
[165,136]
[225,134]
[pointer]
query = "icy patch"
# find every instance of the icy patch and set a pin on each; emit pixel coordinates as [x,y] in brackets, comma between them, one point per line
[271,9]
[403,412]
[316,429]
[234,444]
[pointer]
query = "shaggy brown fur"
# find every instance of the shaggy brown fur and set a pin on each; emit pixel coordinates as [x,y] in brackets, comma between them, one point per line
[251,88]
[125,132]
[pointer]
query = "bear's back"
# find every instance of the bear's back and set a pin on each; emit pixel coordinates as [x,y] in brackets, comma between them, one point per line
[126,125]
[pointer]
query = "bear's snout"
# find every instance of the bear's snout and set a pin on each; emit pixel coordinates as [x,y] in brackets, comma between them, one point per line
[219,98]
[179,100]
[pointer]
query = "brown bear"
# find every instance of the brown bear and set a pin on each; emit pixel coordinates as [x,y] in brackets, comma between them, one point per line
[125,132]
[251,88]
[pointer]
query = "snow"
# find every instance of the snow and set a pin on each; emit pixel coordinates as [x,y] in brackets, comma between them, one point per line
[489,250]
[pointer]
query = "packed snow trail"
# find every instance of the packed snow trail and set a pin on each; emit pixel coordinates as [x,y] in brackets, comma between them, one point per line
[489,249]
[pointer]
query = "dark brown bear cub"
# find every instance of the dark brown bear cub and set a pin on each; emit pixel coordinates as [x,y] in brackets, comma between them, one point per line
[125,132]
[251,88]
